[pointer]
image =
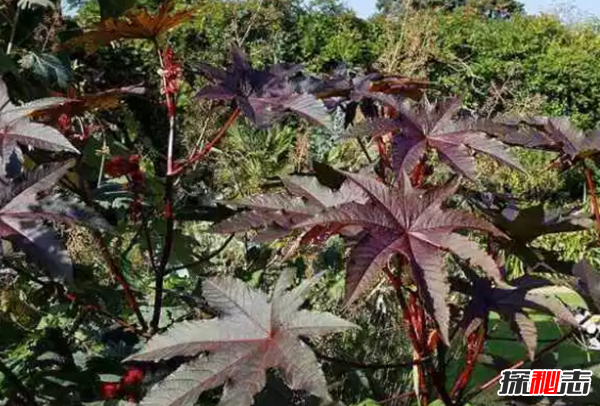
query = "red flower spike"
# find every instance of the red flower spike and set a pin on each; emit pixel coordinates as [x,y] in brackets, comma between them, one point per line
[110,390]
[171,79]
[172,72]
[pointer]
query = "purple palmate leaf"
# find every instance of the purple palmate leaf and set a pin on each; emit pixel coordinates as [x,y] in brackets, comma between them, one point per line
[524,225]
[276,215]
[25,204]
[427,126]
[413,224]
[557,134]
[16,128]
[251,336]
[511,302]
[264,96]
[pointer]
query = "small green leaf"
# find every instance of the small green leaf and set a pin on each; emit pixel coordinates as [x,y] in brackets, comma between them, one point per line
[25,4]
[114,8]
[368,402]
[7,64]
[47,66]
[109,378]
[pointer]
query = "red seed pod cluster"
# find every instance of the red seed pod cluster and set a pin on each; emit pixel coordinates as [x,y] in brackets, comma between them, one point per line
[110,390]
[133,377]
[119,166]
[127,388]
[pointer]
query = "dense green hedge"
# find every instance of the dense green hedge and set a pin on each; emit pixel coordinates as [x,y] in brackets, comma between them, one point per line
[529,55]
[513,60]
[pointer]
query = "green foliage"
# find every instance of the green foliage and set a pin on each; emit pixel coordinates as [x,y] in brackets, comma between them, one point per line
[492,62]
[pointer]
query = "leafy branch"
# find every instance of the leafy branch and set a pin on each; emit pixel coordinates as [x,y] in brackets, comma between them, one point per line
[9,375]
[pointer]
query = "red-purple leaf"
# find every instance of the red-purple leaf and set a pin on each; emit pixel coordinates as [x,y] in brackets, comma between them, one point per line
[511,302]
[264,96]
[411,223]
[434,126]
[525,225]
[277,214]
[16,128]
[471,252]
[374,128]
[427,263]
[250,336]
[23,207]
[557,134]
[367,259]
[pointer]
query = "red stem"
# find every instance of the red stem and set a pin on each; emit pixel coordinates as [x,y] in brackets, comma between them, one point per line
[197,156]
[97,309]
[474,348]
[492,382]
[411,331]
[120,278]
[383,155]
[594,197]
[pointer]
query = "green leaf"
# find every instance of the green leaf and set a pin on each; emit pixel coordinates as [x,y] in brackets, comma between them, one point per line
[25,4]
[368,402]
[109,378]
[114,8]
[47,66]
[7,64]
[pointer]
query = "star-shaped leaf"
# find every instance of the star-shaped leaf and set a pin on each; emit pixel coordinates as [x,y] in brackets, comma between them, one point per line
[78,104]
[276,215]
[589,281]
[136,24]
[524,225]
[26,203]
[412,223]
[264,96]
[434,126]
[557,134]
[251,335]
[511,303]
[354,91]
